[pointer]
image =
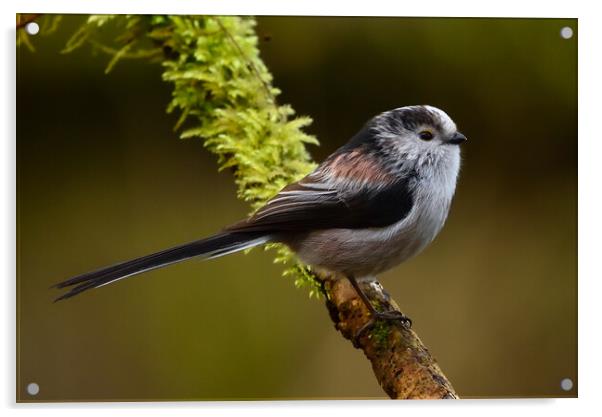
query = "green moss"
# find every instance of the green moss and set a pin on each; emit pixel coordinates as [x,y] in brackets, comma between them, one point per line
[380,333]
[223,94]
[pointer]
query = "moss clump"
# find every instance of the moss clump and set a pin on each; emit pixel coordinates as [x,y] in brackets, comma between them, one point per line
[224,96]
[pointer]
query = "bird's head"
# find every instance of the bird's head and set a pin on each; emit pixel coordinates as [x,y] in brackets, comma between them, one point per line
[418,132]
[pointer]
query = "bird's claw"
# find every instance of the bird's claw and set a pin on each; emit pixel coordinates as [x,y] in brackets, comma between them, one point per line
[393,315]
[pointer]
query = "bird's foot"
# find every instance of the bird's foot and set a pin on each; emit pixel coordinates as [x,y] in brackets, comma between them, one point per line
[391,316]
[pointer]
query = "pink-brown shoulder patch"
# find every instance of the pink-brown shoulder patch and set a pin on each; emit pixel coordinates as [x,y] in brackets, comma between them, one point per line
[357,166]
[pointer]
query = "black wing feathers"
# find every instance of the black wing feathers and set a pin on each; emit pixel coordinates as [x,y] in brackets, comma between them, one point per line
[351,189]
[382,208]
[315,210]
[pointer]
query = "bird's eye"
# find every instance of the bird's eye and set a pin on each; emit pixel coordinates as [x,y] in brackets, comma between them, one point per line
[425,135]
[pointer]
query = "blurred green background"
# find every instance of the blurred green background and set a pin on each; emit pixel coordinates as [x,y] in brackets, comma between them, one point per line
[102,178]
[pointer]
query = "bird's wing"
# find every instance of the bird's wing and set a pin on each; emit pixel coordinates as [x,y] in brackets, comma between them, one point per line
[346,192]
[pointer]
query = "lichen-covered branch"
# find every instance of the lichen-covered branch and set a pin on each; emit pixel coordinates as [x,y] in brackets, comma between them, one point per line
[403,366]
[223,94]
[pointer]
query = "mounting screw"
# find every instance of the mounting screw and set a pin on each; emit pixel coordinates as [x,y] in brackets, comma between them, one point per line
[33,388]
[566,384]
[32,28]
[566,32]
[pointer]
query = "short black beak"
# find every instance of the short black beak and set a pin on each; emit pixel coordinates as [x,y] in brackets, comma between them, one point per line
[457,139]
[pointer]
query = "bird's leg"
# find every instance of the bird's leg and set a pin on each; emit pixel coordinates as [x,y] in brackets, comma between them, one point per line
[392,315]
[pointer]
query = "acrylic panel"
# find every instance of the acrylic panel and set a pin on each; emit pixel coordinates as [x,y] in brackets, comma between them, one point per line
[103,176]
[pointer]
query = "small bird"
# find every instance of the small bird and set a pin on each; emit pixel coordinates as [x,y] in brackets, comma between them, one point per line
[372,204]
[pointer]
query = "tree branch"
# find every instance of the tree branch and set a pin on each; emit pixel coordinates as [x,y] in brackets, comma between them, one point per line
[403,366]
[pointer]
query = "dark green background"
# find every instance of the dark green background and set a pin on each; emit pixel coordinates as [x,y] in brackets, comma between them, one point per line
[102,178]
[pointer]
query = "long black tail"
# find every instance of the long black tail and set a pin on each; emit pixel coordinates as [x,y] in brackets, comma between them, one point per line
[211,247]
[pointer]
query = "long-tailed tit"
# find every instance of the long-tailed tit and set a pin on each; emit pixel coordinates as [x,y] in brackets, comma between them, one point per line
[373,203]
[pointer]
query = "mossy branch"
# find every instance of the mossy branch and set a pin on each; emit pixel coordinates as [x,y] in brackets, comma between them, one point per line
[224,96]
[403,366]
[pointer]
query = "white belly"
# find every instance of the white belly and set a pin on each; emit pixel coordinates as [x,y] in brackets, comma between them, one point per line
[366,252]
